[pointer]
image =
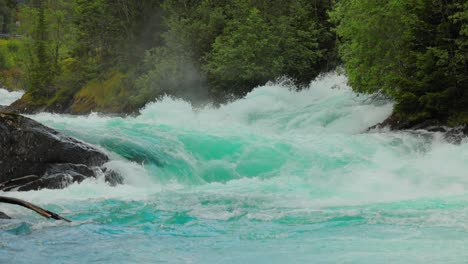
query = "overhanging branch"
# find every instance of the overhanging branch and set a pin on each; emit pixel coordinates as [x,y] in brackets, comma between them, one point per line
[37,209]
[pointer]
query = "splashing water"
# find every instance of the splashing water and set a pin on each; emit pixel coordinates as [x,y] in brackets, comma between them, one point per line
[277,177]
[7,97]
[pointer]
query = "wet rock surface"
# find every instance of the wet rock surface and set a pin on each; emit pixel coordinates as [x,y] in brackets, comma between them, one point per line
[4,216]
[453,135]
[33,157]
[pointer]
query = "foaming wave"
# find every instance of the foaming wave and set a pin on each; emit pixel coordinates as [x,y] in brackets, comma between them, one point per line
[7,97]
[327,104]
[278,172]
[300,148]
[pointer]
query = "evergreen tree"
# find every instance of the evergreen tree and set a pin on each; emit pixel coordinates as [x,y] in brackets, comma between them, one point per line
[42,71]
[415,52]
[246,55]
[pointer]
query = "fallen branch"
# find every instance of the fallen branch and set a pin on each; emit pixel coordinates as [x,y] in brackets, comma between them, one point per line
[37,209]
[14,183]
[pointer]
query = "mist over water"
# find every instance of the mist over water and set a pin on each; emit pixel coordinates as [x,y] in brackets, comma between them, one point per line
[7,97]
[276,177]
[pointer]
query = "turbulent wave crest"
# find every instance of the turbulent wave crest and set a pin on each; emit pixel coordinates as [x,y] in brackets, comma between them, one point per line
[278,164]
[272,132]
[275,136]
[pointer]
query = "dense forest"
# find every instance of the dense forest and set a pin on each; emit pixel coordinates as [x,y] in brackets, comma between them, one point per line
[415,52]
[79,56]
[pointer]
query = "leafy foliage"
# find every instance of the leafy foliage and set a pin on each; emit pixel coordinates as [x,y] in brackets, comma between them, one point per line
[241,44]
[414,51]
[245,55]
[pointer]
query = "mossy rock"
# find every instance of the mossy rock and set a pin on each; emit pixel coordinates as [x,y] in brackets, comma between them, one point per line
[107,94]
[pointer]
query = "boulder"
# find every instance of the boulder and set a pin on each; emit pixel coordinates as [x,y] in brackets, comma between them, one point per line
[33,157]
[457,134]
[453,135]
[4,216]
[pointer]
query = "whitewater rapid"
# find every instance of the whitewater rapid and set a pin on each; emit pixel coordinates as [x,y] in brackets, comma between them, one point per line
[7,97]
[280,176]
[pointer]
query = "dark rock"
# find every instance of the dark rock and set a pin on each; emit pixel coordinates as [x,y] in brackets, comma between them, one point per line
[4,216]
[72,169]
[23,106]
[33,156]
[14,184]
[457,134]
[55,181]
[59,176]
[394,123]
[2,107]
[27,147]
[429,125]
[453,135]
[112,178]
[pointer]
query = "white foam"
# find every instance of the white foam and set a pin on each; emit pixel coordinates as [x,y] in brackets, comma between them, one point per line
[329,162]
[275,108]
[7,97]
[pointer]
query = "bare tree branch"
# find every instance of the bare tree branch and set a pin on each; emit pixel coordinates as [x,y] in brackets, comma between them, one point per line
[37,209]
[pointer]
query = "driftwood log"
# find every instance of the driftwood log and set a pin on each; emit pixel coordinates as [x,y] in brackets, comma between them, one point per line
[35,208]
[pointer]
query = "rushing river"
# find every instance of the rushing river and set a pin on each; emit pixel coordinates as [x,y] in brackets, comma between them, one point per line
[277,177]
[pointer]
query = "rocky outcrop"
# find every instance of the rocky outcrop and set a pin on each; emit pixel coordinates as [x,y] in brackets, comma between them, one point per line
[451,134]
[33,157]
[457,134]
[4,216]
[23,106]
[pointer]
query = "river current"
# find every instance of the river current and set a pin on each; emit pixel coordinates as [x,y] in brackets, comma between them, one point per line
[279,176]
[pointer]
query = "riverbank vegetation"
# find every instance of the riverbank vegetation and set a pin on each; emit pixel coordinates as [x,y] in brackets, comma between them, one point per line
[115,56]
[415,52]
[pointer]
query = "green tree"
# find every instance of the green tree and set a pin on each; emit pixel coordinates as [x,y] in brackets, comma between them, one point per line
[174,66]
[307,42]
[246,54]
[414,51]
[42,72]
[7,16]
[190,49]
[244,43]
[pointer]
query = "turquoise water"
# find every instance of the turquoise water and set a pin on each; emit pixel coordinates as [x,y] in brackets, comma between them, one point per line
[277,177]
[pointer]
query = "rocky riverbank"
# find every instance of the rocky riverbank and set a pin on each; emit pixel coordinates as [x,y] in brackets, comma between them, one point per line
[451,134]
[34,157]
